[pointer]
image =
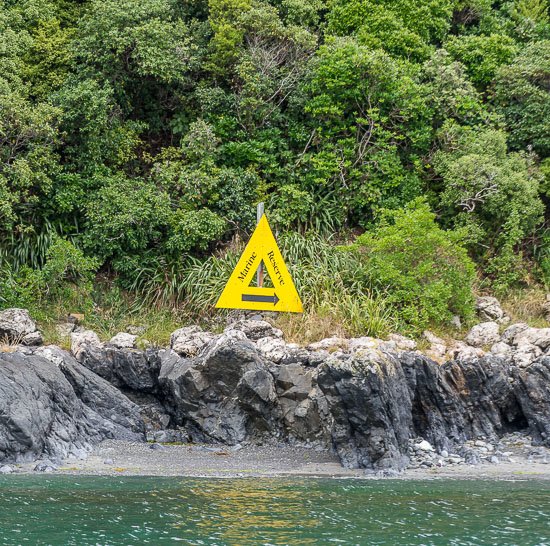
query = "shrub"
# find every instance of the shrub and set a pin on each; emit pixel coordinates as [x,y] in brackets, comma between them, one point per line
[194,230]
[423,270]
[125,216]
[66,277]
[493,194]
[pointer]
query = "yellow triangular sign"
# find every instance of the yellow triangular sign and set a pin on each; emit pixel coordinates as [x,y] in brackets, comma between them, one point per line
[238,294]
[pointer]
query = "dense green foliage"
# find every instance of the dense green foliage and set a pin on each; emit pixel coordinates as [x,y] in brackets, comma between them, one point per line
[424,270]
[136,138]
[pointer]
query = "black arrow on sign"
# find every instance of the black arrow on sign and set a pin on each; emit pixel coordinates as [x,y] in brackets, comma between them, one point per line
[260,299]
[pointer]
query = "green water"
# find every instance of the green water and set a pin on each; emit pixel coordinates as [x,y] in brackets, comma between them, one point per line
[104,511]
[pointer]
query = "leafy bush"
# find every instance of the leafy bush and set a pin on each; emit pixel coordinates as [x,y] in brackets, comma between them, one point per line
[482,55]
[424,271]
[194,230]
[125,216]
[521,95]
[66,277]
[492,194]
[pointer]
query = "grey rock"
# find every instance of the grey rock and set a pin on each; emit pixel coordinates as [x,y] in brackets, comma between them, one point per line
[361,344]
[52,353]
[227,394]
[403,343]
[365,404]
[483,334]
[501,349]
[456,322]
[109,461]
[124,368]
[424,446]
[532,389]
[6,469]
[370,409]
[437,351]
[58,409]
[539,337]
[32,339]
[471,457]
[512,331]
[135,330]
[489,309]
[170,436]
[83,339]
[123,340]
[256,329]
[273,349]
[525,354]
[64,329]
[189,341]
[329,343]
[430,337]
[462,351]
[302,404]
[17,326]
[152,411]
[45,466]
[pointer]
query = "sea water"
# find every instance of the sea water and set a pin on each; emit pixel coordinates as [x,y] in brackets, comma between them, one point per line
[66,510]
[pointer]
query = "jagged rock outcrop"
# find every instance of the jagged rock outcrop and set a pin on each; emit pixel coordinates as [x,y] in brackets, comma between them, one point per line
[226,394]
[124,368]
[533,391]
[369,390]
[363,398]
[366,399]
[52,406]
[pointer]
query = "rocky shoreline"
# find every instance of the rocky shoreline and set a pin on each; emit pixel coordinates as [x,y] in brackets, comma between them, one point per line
[374,406]
[118,458]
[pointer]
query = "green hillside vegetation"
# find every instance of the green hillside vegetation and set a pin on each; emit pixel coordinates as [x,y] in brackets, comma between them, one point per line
[401,148]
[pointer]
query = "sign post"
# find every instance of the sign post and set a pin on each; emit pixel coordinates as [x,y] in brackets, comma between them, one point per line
[261,254]
[260,272]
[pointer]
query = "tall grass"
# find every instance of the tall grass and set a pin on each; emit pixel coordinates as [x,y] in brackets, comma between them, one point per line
[332,283]
[30,247]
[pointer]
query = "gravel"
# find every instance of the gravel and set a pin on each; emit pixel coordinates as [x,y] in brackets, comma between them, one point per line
[510,457]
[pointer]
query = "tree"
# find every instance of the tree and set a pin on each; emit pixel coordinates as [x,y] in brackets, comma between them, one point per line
[521,96]
[27,160]
[403,28]
[491,193]
[531,18]
[449,92]
[370,119]
[482,55]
